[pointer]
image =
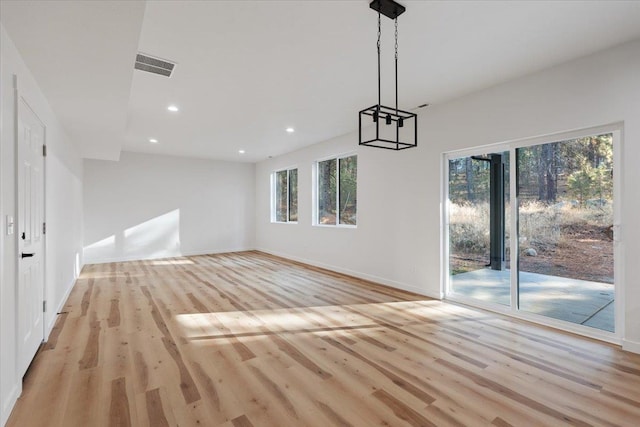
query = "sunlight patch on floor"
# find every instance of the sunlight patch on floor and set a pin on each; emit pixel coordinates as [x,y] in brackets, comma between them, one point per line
[255,323]
[170,262]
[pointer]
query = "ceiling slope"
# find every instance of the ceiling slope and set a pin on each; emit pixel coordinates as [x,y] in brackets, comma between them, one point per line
[81,53]
[247,70]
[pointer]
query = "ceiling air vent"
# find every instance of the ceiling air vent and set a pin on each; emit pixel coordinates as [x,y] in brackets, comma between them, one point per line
[154,65]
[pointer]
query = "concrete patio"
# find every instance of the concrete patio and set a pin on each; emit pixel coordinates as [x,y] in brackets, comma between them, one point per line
[577,301]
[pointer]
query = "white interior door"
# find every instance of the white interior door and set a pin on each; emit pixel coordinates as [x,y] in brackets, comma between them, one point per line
[30,179]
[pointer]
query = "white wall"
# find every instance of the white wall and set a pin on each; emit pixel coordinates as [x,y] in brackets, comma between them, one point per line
[151,206]
[397,238]
[63,213]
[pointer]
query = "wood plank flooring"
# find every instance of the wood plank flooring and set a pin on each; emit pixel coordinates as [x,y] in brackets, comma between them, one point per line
[248,339]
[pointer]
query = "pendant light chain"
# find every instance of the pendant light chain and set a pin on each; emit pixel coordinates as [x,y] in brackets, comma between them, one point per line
[396,38]
[396,48]
[379,33]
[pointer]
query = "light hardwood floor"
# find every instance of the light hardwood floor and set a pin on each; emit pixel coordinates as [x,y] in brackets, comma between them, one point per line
[247,339]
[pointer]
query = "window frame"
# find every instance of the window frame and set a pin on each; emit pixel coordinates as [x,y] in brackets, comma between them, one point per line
[274,195]
[617,129]
[316,187]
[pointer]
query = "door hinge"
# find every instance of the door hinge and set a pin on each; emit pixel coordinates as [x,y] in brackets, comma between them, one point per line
[44,150]
[44,306]
[44,228]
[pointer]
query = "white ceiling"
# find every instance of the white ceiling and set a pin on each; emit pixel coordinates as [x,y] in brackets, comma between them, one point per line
[81,54]
[249,69]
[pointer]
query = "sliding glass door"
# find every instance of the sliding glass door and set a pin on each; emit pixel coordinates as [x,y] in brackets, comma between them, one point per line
[478,229]
[559,261]
[565,223]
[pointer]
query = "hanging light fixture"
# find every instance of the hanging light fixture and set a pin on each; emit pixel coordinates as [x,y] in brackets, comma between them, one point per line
[398,129]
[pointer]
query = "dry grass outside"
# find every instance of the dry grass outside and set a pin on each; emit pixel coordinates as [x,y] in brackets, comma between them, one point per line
[541,226]
[544,228]
[562,235]
[469,227]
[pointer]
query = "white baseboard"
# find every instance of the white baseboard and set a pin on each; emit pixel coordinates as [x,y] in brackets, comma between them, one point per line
[61,303]
[358,274]
[631,346]
[10,401]
[152,257]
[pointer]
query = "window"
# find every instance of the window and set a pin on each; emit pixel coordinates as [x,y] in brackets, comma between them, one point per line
[530,226]
[285,196]
[336,191]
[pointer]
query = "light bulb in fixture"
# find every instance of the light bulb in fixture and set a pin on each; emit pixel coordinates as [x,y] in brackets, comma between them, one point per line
[153,140]
[290,130]
[172,108]
[241,151]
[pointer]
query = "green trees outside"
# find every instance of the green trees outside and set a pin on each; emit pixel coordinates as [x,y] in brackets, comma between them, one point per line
[281,196]
[593,178]
[575,171]
[286,195]
[293,195]
[565,209]
[468,181]
[348,190]
[327,174]
[337,191]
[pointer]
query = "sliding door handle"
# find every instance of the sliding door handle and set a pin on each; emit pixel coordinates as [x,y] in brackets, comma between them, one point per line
[23,255]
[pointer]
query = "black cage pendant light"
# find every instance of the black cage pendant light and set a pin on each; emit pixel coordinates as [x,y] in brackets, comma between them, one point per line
[381,126]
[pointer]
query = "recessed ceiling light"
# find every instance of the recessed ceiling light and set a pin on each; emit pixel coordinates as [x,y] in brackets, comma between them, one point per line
[172,108]
[290,130]
[153,140]
[241,151]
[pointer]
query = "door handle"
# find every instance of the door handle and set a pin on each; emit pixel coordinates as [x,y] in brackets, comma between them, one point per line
[23,255]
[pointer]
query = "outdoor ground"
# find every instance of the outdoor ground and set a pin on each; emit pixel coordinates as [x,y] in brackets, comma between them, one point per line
[584,253]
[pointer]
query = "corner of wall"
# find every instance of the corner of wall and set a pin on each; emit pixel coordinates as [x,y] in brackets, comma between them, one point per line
[358,274]
[631,346]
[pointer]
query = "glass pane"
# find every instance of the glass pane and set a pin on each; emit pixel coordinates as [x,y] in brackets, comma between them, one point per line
[479,227]
[281,196]
[293,195]
[327,192]
[565,216]
[348,190]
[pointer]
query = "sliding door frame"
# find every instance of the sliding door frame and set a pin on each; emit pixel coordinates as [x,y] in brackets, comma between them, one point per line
[617,130]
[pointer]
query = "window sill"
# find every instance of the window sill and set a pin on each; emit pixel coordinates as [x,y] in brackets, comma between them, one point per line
[336,226]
